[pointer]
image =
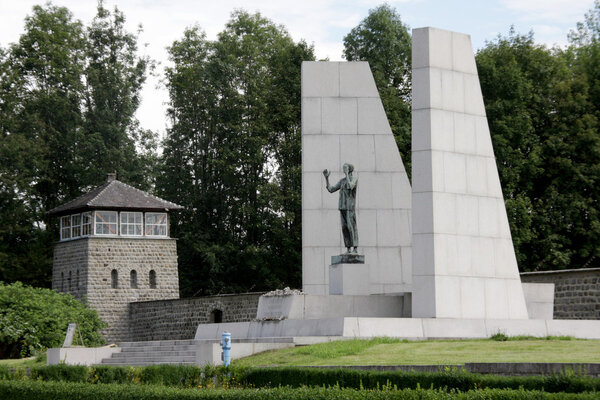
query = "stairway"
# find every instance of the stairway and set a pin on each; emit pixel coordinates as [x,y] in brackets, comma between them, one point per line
[155,352]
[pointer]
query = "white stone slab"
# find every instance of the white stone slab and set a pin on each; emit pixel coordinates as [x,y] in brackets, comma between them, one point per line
[390,327]
[311,116]
[349,279]
[356,80]
[339,116]
[79,355]
[371,117]
[583,329]
[453,328]
[320,79]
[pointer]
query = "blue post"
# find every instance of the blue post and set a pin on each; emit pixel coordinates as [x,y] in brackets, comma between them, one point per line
[226,346]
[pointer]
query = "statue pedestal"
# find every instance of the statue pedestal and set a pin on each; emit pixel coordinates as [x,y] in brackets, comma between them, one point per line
[349,279]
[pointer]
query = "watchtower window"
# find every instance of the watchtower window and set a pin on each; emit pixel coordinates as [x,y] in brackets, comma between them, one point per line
[131,223]
[216,316]
[156,224]
[106,222]
[152,279]
[133,279]
[65,227]
[86,224]
[114,279]
[75,225]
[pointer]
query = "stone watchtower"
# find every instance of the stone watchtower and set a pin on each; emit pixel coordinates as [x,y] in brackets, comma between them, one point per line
[115,249]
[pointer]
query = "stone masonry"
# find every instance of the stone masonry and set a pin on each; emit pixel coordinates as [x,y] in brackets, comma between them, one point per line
[93,259]
[576,291]
[178,319]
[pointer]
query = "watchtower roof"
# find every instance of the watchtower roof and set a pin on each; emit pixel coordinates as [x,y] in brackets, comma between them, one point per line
[114,195]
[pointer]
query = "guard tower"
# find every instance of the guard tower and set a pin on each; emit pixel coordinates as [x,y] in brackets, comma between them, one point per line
[115,249]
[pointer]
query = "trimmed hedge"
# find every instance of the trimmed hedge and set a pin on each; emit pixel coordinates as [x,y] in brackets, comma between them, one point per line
[27,390]
[463,381]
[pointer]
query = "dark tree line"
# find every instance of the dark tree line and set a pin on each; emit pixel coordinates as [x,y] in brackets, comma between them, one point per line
[69,92]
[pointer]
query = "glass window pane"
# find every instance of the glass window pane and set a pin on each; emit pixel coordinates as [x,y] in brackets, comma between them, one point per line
[106,222]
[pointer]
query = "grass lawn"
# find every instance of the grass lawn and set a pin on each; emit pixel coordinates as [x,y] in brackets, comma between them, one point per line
[384,351]
[25,362]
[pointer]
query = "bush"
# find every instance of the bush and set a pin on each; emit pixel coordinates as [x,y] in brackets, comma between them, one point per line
[27,390]
[109,374]
[61,372]
[32,319]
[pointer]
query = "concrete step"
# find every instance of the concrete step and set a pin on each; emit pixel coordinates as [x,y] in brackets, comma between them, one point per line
[140,349]
[150,358]
[141,364]
[156,343]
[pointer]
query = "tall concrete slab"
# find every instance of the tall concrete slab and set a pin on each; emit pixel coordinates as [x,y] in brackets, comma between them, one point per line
[464,263]
[343,120]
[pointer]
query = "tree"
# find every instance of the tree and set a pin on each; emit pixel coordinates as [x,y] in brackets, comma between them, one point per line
[234,148]
[383,40]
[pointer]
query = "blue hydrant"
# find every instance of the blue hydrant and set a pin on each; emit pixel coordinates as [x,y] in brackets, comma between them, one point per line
[226,346]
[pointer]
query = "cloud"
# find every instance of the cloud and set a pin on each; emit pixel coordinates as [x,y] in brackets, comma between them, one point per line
[562,11]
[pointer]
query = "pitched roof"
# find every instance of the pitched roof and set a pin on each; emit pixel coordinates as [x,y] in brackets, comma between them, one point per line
[115,194]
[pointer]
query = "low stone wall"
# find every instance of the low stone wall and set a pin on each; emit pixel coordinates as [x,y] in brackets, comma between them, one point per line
[576,291]
[178,319]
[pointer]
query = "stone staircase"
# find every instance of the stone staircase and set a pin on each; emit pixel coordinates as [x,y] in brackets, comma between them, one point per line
[155,352]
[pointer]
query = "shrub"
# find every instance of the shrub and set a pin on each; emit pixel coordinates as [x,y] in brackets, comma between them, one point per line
[61,372]
[32,319]
[109,374]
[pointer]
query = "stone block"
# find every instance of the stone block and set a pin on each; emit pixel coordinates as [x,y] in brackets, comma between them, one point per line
[442,130]
[422,219]
[356,80]
[440,48]
[420,89]
[453,91]
[455,176]
[313,185]
[472,292]
[444,212]
[339,116]
[401,193]
[465,139]
[391,327]
[320,79]
[321,228]
[320,152]
[367,227]
[423,304]
[462,54]
[467,215]
[349,279]
[420,128]
[387,155]
[472,95]
[311,116]
[448,296]
[453,328]
[420,48]
[496,299]
[477,176]
[372,119]
[375,190]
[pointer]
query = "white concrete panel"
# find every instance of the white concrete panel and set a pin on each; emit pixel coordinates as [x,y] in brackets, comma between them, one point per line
[420,47]
[453,328]
[447,296]
[477,176]
[538,292]
[444,212]
[467,215]
[496,299]
[367,227]
[463,59]
[505,260]
[472,95]
[493,178]
[423,303]
[311,116]
[422,218]
[339,116]
[313,271]
[387,154]
[589,329]
[421,128]
[422,170]
[445,254]
[320,228]
[465,140]
[455,173]
[420,89]
[488,217]
[423,254]
[358,151]
[401,193]
[356,80]
[482,263]
[472,294]
[375,190]
[453,91]
[406,260]
[483,137]
[349,279]
[390,267]
[372,119]
[442,130]
[320,289]
[389,223]
[320,152]
[320,79]
[517,309]
[435,85]
[463,256]
[390,327]
[312,185]
[440,48]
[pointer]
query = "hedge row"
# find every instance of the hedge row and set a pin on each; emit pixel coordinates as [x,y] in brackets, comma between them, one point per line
[208,376]
[27,390]
[459,380]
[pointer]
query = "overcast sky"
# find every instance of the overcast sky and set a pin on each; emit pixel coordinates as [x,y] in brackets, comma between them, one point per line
[321,22]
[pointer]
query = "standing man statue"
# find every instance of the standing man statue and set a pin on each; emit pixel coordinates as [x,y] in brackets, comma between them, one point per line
[346,205]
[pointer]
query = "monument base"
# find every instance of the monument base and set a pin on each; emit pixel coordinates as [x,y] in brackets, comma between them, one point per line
[348,258]
[349,279]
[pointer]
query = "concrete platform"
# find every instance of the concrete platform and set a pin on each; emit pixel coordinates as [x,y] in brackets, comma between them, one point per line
[407,328]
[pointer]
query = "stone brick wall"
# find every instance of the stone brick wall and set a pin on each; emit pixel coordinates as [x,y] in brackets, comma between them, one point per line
[576,292]
[96,257]
[178,319]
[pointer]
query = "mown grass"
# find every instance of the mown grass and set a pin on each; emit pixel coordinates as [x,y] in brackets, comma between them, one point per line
[387,351]
[28,362]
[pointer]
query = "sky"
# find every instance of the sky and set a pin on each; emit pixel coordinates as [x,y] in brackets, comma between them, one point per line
[323,23]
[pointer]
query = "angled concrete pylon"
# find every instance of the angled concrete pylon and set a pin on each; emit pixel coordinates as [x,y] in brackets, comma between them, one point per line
[464,263]
[343,121]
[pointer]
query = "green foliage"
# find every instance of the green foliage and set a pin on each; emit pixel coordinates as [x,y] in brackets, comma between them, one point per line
[25,390]
[61,373]
[109,374]
[32,319]
[383,40]
[232,156]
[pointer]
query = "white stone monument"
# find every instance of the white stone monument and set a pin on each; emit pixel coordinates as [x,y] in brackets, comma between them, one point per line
[343,121]
[464,261]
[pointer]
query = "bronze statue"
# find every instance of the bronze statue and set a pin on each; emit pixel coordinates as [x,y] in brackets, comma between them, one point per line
[346,205]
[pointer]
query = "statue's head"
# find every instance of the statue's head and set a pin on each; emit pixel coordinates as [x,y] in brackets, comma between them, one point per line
[349,168]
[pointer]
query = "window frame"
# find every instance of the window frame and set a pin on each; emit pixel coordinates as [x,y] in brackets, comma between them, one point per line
[75,226]
[116,223]
[127,224]
[149,227]
[64,227]
[89,225]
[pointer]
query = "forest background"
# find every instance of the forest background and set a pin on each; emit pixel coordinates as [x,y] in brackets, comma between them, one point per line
[231,155]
